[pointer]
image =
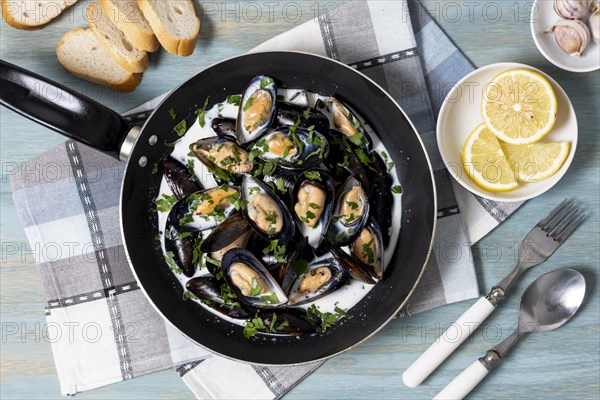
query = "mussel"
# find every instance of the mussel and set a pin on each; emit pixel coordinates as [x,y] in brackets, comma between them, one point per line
[219,153]
[257,109]
[308,278]
[368,249]
[181,182]
[350,213]
[209,291]
[181,244]
[304,117]
[232,233]
[224,127]
[292,147]
[349,264]
[205,209]
[250,281]
[347,159]
[265,212]
[346,122]
[381,197]
[313,200]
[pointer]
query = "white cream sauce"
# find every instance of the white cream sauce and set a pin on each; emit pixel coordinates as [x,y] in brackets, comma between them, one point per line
[347,296]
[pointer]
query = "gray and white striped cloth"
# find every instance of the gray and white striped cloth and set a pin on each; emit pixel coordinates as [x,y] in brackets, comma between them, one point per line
[74,230]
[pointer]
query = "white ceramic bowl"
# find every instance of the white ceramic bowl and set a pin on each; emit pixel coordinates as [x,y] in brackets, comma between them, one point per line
[542,18]
[460,114]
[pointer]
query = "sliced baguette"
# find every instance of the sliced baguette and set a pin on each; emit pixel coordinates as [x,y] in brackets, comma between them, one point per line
[128,17]
[174,22]
[33,14]
[122,50]
[81,54]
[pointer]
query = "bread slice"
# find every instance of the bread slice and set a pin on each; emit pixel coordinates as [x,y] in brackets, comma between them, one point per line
[33,14]
[122,50]
[80,52]
[128,17]
[174,22]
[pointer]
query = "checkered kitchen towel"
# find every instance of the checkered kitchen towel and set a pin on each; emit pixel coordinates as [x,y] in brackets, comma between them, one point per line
[72,222]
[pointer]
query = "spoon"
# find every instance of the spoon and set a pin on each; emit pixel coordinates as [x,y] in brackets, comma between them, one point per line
[548,303]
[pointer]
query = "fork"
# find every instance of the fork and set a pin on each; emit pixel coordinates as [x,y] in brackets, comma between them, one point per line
[537,247]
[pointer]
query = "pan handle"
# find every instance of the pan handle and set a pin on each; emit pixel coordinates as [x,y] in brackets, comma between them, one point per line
[65,111]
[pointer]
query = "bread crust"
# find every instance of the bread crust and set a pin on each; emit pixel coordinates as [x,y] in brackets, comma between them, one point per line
[126,86]
[12,21]
[139,65]
[142,39]
[182,47]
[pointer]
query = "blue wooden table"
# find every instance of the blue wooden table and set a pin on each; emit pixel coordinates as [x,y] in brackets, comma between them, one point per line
[560,364]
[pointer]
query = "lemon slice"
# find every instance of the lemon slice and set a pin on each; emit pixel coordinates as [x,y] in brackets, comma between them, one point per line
[519,106]
[485,162]
[537,161]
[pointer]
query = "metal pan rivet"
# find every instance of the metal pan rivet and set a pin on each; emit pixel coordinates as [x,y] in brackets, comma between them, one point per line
[153,140]
[143,161]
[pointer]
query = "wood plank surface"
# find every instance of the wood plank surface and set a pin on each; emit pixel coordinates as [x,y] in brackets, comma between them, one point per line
[556,365]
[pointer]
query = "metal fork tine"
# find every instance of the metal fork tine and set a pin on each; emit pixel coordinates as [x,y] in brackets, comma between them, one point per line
[562,224]
[559,217]
[569,229]
[552,214]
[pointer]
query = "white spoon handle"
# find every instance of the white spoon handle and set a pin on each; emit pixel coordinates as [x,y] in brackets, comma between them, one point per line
[463,383]
[447,343]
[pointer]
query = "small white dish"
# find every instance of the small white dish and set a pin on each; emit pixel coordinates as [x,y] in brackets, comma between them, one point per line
[460,114]
[543,17]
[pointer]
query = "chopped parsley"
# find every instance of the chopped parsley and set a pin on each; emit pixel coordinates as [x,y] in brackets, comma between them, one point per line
[325,320]
[352,205]
[280,185]
[257,324]
[269,167]
[307,113]
[313,175]
[169,258]
[368,250]
[172,113]
[154,169]
[363,157]
[181,128]
[270,299]
[221,173]
[255,288]
[271,217]
[201,112]
[165,203]
[235,100]
[278,250]
[388,162]
[248,105]
[300,267]
[397,189]
[197,253]
[237,202]
[313,206]
[266,82]
[187,295]
[227,295]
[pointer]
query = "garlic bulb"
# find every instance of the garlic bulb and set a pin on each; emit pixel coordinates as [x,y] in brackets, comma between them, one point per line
[594,24]
[572,9]
[572,36]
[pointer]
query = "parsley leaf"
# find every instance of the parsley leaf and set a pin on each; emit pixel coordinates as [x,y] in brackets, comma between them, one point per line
[313,175]
[172,113]
[235,100]
[326,320]
[270,299]
[248,104]
[397,189]
[165,203]
[171,261]
[201,112]
[187,295]
[266,82]
[256,288]
[181,128]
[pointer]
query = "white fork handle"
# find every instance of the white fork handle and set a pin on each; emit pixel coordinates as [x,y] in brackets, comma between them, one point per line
[447,343]
[463,383]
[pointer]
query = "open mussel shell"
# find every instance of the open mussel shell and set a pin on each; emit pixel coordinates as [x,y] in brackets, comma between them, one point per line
[354,269]
[208,290]
[222,154]
[179,179]
[313,200]
[257,109]
[345,121]
[295,97]
[368,249]
[224,127]
[250,281]
[233,233]
[265,212]
[350,213]
[287,321]
[205,209]
[344,160]
[289,115]
[293,147]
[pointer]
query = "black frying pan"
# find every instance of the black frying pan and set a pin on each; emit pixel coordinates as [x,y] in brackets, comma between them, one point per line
[89,122]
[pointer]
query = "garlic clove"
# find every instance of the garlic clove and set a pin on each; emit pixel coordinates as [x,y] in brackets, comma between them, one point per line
[594,24]
[571,35]
[572,9]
